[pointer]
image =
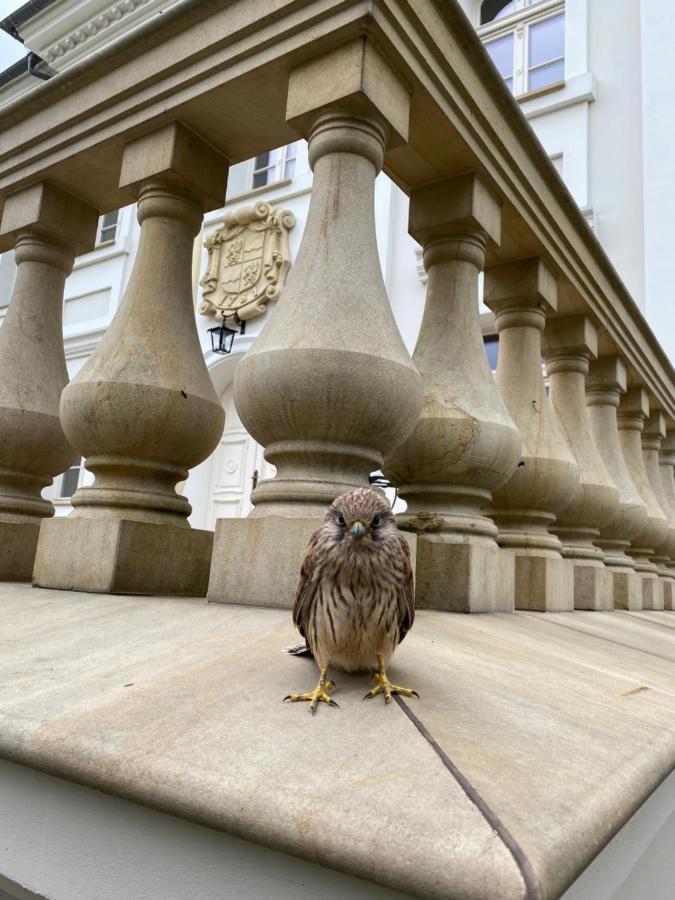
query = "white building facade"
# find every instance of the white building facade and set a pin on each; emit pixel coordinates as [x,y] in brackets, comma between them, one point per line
[593,77]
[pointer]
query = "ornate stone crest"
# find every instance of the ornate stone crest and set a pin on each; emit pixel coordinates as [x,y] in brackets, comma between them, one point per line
[248,261]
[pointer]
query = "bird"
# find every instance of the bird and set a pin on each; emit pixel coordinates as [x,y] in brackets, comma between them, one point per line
[355,601]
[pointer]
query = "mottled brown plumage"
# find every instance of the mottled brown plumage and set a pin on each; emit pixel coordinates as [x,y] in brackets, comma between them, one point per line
[355,600]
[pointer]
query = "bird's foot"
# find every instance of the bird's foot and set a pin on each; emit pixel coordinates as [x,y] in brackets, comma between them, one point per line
[384,686]
[320,694]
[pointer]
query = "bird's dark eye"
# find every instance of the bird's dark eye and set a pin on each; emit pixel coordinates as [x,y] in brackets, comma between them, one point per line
[376,521]
[341,520]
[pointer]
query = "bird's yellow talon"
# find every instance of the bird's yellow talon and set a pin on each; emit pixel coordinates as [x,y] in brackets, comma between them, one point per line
[320,694]
[384,686]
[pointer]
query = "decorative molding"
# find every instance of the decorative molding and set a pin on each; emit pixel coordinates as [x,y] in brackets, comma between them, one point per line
[98,23]
[248,261]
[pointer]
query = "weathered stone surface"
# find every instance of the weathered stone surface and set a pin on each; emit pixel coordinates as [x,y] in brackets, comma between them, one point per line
[606,382]
[632,415]
[570,343]
[652,440]
[521,294]
[559,727]
[46,226]
[464,444]
[143,409]
[667,470]
[121,556]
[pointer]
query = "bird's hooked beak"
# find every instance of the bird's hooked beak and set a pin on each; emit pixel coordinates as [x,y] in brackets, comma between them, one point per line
[357,529]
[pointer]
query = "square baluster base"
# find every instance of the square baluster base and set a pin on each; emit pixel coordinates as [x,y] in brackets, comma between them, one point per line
[461,576]
[257,561]
[18,541]
[544,583]
[120,556]
[626,590]
[593,588]
[652,592]
[668,586]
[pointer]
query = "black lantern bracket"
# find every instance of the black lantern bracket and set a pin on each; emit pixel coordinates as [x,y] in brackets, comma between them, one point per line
[222,336]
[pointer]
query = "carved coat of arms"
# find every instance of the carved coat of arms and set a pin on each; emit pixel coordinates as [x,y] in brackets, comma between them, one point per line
[248,261]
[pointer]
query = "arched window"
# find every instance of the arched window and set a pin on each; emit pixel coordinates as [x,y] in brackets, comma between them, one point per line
[526,41]
[496,9]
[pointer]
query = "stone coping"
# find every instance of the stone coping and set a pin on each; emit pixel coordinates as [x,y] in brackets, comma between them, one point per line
[536,736]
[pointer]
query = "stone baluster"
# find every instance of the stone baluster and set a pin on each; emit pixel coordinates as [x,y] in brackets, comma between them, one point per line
[667,471]
[606,382]
[143,409]
[521,293]
[633,413]
[465,443]
[47,227]
[328,387]
[570,343]
[652,438]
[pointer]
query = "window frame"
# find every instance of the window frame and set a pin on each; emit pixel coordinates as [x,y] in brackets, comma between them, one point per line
[64,499]
[100,240]
[518,24]
[286,155]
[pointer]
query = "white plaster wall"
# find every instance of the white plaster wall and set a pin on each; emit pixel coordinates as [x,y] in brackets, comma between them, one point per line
[615,148]
[658,150]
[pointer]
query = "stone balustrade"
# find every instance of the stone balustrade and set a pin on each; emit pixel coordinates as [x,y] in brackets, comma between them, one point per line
[515,498]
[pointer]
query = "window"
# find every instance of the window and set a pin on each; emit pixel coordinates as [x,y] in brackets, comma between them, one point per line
[526,41]
[70,481]
[274,165]
[107,227]
[491,342]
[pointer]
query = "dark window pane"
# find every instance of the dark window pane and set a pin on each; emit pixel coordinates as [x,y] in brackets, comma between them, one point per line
[501,52]
[492,349]
[260,178]
[69,482]
[496,9]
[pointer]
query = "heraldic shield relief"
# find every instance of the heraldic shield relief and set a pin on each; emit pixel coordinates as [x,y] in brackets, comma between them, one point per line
[248,261]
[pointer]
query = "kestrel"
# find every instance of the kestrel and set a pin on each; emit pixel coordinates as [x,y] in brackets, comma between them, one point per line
[355,601]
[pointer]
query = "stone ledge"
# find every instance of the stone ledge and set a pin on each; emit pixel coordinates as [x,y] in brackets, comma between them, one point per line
[536,738]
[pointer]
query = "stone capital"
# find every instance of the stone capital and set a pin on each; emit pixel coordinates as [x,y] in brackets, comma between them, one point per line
[570,336]
[175,154]
[357,79]
[455,206]
[607,374]
[52,213]
[520,292]
[655,426]
[634,405]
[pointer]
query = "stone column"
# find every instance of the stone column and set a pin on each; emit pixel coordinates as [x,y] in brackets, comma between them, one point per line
[652,439]
[667,470]
[143,410]
[521,294]
[633,413]
[328,387]
[47,227]
[465,443]
[570,343]
[606,382]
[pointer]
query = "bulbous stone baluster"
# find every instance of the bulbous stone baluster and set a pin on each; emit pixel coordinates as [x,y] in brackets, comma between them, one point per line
[47,227]
[570,343]
[633,413]
[606,382]
[328,386]
[521,293]
[143,410]
[652,438]
[667,471]
[465,443]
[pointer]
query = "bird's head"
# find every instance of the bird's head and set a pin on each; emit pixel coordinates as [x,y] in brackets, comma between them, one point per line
[363,517]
